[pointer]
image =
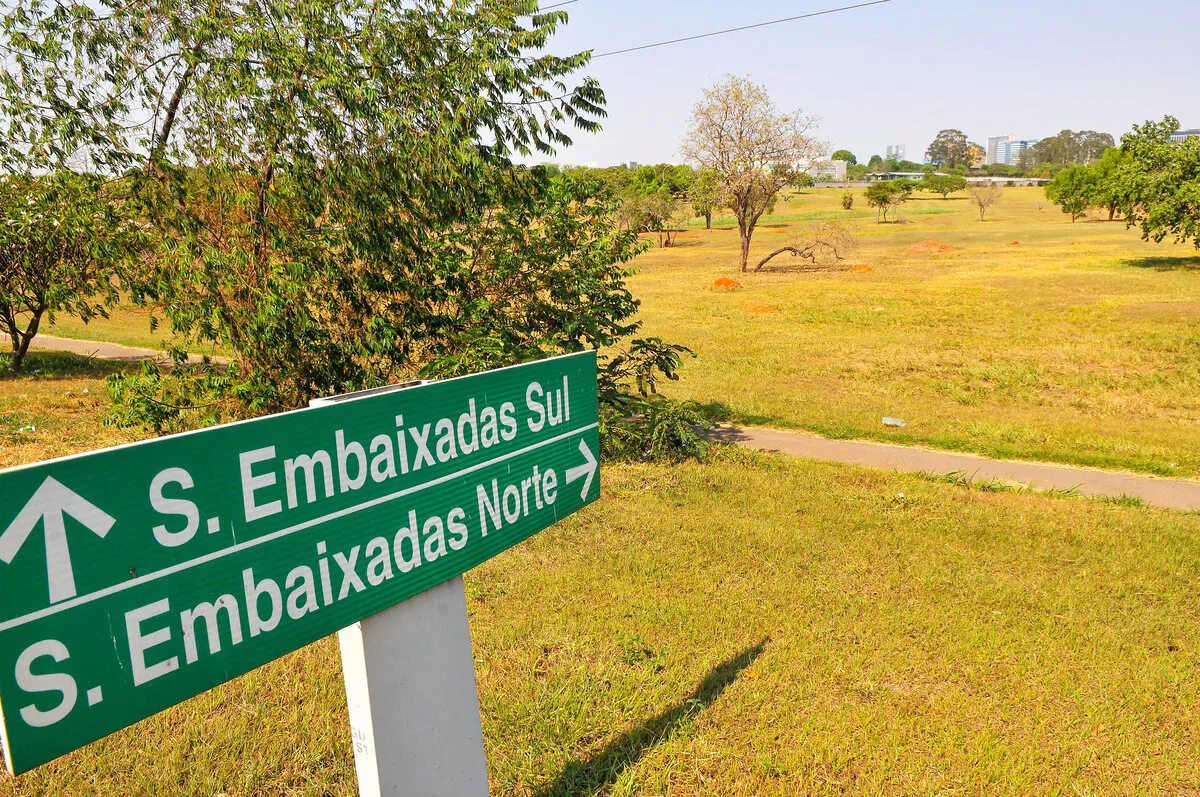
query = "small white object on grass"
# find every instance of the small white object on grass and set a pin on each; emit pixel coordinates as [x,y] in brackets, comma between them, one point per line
[894,422]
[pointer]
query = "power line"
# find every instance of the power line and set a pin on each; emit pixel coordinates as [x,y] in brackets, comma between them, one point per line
[743,27]
[556,5]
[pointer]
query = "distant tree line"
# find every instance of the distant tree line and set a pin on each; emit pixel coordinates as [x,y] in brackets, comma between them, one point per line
[1150,180]
[951,152]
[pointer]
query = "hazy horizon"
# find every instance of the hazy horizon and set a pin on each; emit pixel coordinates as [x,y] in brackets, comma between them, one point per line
[888,74]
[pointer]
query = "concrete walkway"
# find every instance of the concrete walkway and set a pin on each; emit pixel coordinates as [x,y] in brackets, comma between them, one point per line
[98,349]
[1156,491]
[1166,493]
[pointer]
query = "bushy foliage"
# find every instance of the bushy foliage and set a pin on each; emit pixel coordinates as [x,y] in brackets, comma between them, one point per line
[706,195]
[887,195]
[944,184]
[658,429]
[1160,182]
[1070,147]
[64,241]
[847,200]
[949,148]
[1073,189]
[332,189]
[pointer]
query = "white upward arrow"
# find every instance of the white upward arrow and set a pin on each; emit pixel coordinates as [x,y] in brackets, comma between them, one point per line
[587,469]
[48,504]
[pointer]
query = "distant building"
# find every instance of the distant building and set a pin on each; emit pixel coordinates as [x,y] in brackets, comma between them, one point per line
[896,152]
[1007,150]
[632,166]
[886,176]
[829,170]
[1184,135]
[993,146]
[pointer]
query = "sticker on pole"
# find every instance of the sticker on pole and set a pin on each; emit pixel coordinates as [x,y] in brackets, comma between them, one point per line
[135,577]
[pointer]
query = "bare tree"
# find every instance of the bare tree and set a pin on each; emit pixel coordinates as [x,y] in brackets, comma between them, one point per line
[984,195]
[831,243]
[753,148]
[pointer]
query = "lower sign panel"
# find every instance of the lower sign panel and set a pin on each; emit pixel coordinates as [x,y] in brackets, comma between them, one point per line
[86,666]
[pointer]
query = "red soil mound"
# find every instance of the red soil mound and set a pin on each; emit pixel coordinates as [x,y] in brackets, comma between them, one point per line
[726,284]
[929,248]
[860,269]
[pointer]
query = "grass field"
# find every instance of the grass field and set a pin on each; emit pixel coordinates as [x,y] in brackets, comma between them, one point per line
[761,626]
[755,625]
[1031,338]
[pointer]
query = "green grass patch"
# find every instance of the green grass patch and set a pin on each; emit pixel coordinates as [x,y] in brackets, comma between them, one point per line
[757,625]
[1028,338]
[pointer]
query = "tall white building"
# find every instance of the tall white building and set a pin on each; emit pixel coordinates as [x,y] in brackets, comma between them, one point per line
[1007,149]
[896,152]
[993,146]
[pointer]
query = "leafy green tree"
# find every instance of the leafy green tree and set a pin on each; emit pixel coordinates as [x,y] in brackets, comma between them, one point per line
[844,155]
[802,180]
[651,210]
[1161,182]
[1111,189]
[944,184]
[64,241]
[333,188]
[877,164]
[1092,145]
[949,148]
[887,195]
[706,195]
[1070,147]
[1073,189]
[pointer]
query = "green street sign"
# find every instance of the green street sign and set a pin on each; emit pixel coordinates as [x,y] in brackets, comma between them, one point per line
[136,577]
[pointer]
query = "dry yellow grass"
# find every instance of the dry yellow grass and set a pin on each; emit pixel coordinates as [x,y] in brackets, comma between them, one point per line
[1030,337]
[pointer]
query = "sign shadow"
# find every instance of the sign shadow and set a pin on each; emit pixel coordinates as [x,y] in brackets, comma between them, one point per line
[588,776]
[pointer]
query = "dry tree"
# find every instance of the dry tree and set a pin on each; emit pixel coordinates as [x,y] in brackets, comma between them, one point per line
[830,244]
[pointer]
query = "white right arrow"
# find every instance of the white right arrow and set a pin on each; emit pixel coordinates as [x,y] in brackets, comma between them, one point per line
[587,469]
[48,504]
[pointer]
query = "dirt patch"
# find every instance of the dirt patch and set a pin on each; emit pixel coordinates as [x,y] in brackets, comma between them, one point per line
[929,248]
[1163,311]
[1015,243]
[684,236]
[860,269]
[726,284]
[761,308]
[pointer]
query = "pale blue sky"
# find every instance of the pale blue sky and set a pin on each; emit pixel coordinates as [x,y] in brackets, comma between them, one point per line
[893,73]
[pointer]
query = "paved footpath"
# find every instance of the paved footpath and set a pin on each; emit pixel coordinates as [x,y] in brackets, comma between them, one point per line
[1166,493]
[97,348]
[1156,491]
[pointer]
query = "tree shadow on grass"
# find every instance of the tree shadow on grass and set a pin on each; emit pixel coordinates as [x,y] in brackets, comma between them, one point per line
[1164,263]
[604,768]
